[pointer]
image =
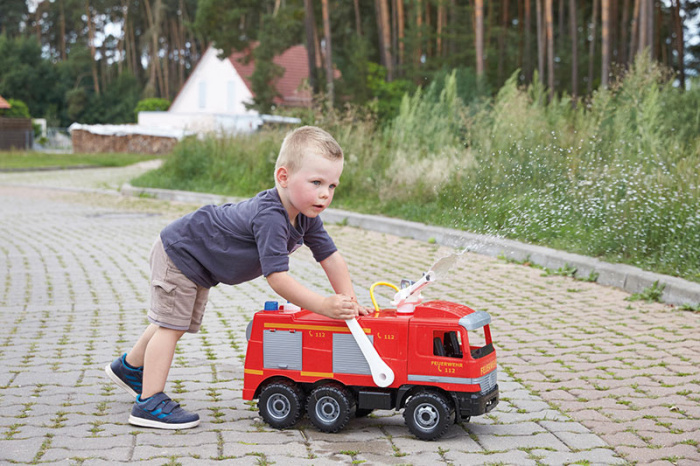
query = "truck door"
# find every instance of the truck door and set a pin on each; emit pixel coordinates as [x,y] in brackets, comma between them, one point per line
[437,355]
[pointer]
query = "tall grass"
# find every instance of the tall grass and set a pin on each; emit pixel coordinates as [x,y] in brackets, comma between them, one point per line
[616,177]
[237,166]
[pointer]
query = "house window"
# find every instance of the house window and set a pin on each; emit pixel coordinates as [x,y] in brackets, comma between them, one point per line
[231,95]
[202,94]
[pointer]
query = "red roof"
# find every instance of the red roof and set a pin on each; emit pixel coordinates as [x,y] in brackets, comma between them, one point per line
[293,86]
[4,103]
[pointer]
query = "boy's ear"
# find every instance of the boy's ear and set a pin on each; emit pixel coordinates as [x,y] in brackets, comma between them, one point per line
[282,176]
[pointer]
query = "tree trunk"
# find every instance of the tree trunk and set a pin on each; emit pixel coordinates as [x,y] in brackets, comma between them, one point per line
[646,26]
[479,37]
[591,47]
[541,54]
[428,29]
[91,39]
[521,44]
[624,28]
[319,51]
[573,28]
[384,30]
[419,35]
[678,27]
[358,22]
[439,27]
[156,75]
[329,61]
[527,66]
[502,39]
[183,46]
[394,35]
[605,45]
[400,29]
[549,14]
[659,42]
[309,22]
[634,37]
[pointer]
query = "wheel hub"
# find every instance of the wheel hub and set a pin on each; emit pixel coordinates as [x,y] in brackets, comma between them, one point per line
[278,406]
[426,416]
[327,409]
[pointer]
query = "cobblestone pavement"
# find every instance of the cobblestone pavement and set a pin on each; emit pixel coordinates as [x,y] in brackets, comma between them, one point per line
[586,377]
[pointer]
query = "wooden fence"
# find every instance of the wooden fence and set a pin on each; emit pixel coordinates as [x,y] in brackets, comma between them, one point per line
[16,133]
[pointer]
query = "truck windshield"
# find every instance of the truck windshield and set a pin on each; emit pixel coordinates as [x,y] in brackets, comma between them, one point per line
[478,335]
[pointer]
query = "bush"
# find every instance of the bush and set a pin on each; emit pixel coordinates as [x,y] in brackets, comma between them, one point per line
[18,109]
[151,105]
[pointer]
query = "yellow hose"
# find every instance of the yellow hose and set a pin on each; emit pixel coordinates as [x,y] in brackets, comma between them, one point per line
[371,292]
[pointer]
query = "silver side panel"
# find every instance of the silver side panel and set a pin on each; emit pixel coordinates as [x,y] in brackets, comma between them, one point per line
[487,382]
[347,356]
[282,350]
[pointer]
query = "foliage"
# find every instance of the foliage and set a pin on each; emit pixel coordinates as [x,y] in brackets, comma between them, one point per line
[25,75]
[387,95]
[278,32]
[154,104]
[11,15]
[18,109]
[216,17]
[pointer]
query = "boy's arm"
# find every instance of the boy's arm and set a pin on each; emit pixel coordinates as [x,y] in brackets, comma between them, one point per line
[337,272]
[337,306]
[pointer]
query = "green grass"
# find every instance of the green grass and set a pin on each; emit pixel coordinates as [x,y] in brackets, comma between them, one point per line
[14,160]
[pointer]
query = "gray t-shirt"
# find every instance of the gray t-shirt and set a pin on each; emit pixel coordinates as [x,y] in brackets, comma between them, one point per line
[235,243]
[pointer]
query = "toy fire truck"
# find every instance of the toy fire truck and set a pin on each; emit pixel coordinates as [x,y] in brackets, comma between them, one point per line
[435,360]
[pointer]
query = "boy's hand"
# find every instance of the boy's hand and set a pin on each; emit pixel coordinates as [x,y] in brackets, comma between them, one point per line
[361,310]
[343,307]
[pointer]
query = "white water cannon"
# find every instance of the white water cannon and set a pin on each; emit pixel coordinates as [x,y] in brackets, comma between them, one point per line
[406,299]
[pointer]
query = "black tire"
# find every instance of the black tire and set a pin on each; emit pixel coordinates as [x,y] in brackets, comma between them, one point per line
[281,404]
[428,415]
[329,407]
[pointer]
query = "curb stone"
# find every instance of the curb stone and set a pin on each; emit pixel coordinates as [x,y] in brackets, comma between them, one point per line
[677,291]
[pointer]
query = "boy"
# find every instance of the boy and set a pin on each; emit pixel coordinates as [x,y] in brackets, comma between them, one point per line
[231,244]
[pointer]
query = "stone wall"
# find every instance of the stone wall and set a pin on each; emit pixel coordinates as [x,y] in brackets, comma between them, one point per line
[87,142]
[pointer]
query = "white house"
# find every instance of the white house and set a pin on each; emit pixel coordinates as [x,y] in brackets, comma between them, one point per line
[214,96]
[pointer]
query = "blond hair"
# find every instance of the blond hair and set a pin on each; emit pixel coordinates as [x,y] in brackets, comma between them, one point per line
[304,140]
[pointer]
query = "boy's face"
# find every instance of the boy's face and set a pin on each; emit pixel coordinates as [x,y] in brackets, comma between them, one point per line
[310,189]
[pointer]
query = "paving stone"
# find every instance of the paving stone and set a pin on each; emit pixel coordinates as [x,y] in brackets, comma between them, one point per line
[577,371]
[592,457]
[541,440]
[520,458]
[581,441]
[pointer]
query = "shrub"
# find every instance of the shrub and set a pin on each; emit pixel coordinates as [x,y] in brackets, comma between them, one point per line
[18,109]
[151,105]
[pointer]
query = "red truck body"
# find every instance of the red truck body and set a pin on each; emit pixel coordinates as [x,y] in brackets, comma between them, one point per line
[434,353]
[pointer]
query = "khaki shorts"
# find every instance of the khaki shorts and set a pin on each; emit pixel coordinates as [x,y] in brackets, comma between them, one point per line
[176,301]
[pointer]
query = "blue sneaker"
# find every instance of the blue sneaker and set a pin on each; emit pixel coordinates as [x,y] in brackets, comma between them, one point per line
[161,412]
[124,376]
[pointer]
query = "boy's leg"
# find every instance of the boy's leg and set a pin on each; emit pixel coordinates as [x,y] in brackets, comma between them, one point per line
[158,357]
[136,355]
